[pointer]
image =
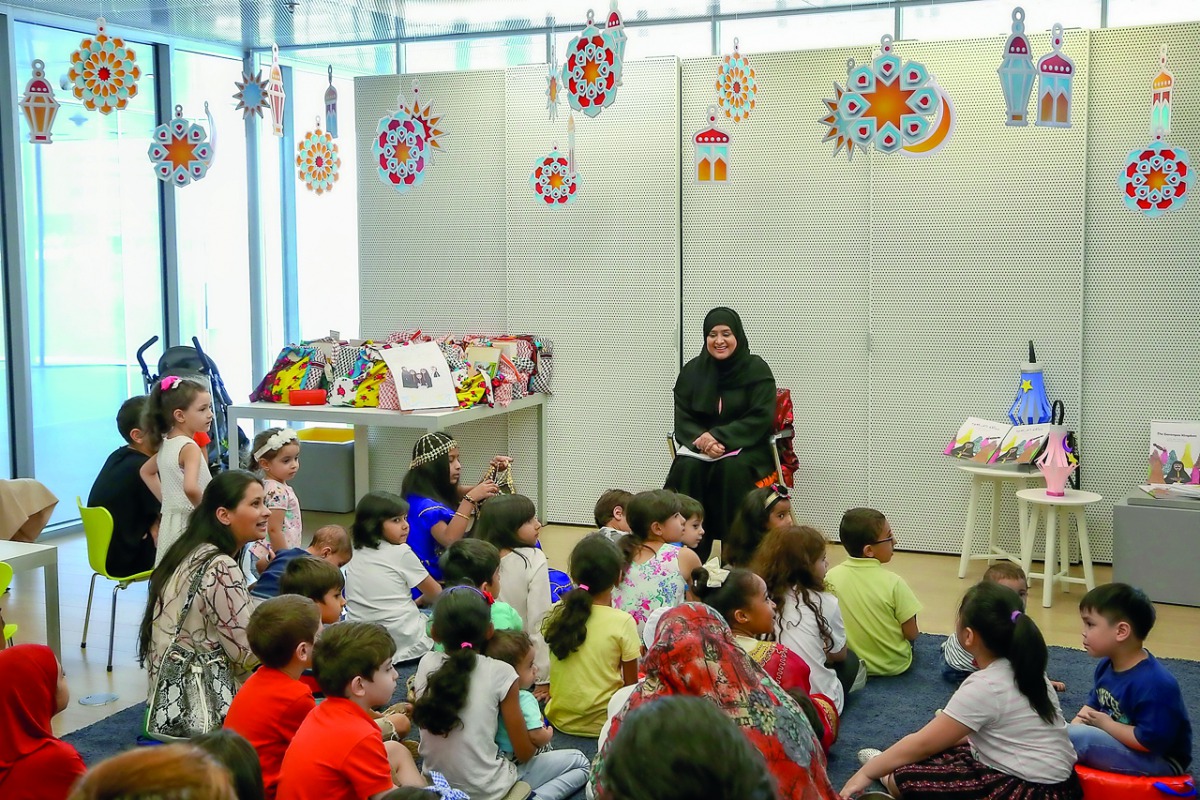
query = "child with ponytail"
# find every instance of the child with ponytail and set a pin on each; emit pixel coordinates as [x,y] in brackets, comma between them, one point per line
[656,573]
[461,695]
[594,647]
[1016,741]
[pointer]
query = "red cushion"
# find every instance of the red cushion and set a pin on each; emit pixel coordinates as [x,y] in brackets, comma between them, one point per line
[1099,785]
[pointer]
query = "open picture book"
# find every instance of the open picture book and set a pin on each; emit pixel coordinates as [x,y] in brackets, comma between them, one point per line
[998,444]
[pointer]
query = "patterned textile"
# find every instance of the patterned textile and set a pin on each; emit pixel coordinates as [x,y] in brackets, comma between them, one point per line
[695,655]
[956,775]
[792,672]
[655,584]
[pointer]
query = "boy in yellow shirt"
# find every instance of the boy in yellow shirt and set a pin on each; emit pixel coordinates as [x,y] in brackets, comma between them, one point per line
[879,608]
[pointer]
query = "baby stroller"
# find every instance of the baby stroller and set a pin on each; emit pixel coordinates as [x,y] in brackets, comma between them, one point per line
[192,362]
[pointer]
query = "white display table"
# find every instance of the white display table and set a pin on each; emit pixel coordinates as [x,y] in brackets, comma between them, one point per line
[364,418]
[1058,511]
[22,556]
[997,477]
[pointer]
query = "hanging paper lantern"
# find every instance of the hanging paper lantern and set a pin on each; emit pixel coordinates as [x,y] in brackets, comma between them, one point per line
[318,160]
[331,121]
[1017,72]
[737,88]
[252,95]
[1160,95]
[104,72]
[892,108]
[1057,462]
[400,149]
[593,69]
[275,92]
[553,180]
[1055,74]
[1156,177]
[617,30]
[39,105]
[1031,407]
[179,151]
[712,151]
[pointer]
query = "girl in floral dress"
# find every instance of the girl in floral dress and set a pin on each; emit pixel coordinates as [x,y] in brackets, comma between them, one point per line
[657,571]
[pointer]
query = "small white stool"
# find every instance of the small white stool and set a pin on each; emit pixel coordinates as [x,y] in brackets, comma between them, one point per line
[996,477]
[1074,503]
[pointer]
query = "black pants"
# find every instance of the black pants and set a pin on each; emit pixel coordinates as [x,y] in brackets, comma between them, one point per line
[720,487]
[847,671]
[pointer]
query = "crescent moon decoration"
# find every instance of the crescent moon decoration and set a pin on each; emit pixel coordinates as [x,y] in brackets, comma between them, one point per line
[893,107]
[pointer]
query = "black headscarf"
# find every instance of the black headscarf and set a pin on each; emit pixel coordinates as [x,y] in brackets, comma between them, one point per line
[704,378]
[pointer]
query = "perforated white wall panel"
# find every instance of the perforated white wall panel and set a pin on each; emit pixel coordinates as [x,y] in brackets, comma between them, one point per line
[784,243]
[1142,288]
[600,278]
[434,257]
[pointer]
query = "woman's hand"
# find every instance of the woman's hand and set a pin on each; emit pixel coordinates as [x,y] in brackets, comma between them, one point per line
[704,442]
[483,491]
[857,784]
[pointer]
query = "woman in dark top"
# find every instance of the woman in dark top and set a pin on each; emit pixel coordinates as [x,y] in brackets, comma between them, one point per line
[724,416]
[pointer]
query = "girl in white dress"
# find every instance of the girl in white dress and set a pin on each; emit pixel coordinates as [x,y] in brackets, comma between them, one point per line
[178,409]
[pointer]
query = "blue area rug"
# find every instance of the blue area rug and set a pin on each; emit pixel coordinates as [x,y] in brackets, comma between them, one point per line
[883,712]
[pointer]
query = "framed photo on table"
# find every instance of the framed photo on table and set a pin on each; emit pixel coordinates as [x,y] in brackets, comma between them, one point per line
[422,376]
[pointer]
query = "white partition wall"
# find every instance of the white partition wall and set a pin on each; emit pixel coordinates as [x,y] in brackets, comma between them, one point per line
[434,257]
[600,278]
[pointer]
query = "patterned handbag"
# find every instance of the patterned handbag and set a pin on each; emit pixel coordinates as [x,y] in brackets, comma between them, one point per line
[193,691]
[544,371]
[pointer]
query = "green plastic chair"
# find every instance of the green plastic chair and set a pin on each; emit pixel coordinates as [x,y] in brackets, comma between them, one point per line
[6,574]
[98,528]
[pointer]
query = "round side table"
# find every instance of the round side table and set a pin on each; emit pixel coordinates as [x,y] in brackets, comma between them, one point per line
[1058,509]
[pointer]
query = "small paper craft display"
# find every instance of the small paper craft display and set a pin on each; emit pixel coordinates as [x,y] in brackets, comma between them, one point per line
[331,120]
[401,150]
[737,87]
[104,72]
[318,161]
[1160,96]
[252,95]
[39,105]
[894,108]
[275,94]
[555,183]
[1155,179]
[592,71]
[179,151]
[1017,72]
[1055,75]
[1174,453]
[427,120]
[712,151]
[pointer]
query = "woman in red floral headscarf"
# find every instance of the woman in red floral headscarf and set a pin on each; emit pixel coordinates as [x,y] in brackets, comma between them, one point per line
[695,654]
[34,765]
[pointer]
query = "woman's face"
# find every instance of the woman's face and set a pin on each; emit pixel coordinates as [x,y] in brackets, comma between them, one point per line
[248,520]
[721,342]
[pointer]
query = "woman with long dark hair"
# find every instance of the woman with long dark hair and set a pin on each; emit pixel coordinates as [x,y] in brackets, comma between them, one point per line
[231,515]
[724,415]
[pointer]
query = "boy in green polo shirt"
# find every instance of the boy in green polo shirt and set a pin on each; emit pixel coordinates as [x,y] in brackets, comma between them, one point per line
[880,610]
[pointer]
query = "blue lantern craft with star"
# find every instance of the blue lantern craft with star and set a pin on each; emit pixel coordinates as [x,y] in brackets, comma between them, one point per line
[1031,407]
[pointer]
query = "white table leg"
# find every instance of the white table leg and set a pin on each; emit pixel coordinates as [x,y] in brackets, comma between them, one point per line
[1064,543]
[53,628]
[235,451]
[1028,517]
[362,463]
[969,529]
[994,533]
[1051,562]
[1085,548]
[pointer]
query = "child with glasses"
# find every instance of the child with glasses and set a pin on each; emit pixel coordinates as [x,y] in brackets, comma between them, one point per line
[879,608]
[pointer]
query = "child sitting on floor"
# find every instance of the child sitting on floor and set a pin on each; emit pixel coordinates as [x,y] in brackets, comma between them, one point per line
[879,609]
[515,648]
[656,574]
[762,510]
[1002,734]
[272,703]
[594,647]
[1135,721]
[610,513]
[330,543]
[693,521]
[471,562]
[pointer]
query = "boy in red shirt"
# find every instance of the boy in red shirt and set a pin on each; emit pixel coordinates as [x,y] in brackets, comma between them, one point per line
[269,708]
[339,752]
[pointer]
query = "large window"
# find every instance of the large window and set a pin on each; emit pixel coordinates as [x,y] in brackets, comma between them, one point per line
[994,17]
[93,267]
[1151,12]
[5,383]
[806,31]
[683,40]
[212,226]
[489,52]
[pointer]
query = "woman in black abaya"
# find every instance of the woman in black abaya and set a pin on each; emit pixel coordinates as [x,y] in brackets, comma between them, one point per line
[724,417]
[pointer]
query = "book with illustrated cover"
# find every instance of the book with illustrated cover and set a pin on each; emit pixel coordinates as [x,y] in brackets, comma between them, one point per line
[1021,445]
[1174,458]
[977,440]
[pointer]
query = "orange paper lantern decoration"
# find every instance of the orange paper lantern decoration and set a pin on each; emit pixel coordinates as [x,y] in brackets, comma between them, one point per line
[39,105]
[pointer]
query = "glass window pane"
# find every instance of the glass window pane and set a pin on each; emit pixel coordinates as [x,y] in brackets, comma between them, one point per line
[489,52]
[684,40]
[270,152]
[1150,12]
[5,435]
[994,17]
[806,31]
[93,267]
[212,228]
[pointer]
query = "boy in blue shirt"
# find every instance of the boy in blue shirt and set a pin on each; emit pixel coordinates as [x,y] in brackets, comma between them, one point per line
[1135,722]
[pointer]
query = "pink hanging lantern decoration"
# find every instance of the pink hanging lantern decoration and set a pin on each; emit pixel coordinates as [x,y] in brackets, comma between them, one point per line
[39,105]
[1057,463]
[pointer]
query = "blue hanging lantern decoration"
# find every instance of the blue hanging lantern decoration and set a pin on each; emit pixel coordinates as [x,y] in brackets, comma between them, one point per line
[1031,407]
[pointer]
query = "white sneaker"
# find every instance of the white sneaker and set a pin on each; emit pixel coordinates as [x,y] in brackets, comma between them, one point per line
[860,680]
[866,754]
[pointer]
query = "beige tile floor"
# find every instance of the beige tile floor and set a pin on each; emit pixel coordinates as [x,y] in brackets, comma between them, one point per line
[933,577]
